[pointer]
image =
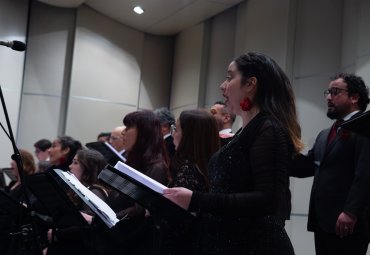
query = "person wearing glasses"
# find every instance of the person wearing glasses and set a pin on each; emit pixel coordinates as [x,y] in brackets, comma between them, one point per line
[339,162]
[248,201]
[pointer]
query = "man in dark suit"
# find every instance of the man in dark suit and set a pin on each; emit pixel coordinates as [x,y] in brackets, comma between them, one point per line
[340,164]
[167,119]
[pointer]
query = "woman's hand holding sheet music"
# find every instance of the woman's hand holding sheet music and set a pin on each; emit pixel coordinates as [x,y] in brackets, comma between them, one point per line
[179,196]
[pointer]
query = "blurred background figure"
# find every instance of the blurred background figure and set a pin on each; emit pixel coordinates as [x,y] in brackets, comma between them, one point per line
[116,139]
[225,120]
[62,152]
[103,137]
[29,167]
[41,149]
[167,119]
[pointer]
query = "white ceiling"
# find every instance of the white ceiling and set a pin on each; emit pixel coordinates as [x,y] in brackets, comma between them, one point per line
[161,17]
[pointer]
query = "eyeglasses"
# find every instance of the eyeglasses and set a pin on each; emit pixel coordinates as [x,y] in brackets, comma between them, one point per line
[333,91]
[173,129]
[114,138]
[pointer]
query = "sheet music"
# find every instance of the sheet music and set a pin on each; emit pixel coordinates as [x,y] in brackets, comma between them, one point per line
[147,181]
[115,151]
[93,201]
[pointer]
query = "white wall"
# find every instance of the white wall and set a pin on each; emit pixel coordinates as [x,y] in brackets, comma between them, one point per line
[84,72]
[46,73]
[13,26]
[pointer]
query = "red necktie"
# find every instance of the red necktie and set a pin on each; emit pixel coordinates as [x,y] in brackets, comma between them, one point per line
[333,130]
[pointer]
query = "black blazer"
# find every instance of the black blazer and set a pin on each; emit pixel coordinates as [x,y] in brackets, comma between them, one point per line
[341,183]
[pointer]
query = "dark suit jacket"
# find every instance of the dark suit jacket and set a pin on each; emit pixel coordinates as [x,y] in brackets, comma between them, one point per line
[341,179]
[170,146]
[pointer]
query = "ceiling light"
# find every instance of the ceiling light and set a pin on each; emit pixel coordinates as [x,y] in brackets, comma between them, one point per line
[138,10]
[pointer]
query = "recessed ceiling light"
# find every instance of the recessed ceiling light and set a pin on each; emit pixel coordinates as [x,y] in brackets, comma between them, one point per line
[138,10]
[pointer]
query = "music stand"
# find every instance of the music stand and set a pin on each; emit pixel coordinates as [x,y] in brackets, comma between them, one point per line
[359,124]
[6,174]
[110,154]
[164,210]
[53,201]
[10,209]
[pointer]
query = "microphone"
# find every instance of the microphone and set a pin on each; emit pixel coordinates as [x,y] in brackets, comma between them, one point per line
[15,45]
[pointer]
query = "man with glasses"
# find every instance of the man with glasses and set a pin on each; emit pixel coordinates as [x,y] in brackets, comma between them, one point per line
[340,164]
[116,139]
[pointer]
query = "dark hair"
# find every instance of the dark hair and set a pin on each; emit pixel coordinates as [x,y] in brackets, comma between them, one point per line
[226,111]
[149,147]
[42,144]
[91,163]
[355,85]
[72,144]
[274,94]
[199,140]
[165,116]
[103,134]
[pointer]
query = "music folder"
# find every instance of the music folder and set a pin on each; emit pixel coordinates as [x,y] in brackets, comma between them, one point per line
[110,154]
[95,203]
[359,124]
[50,189]
[145,191]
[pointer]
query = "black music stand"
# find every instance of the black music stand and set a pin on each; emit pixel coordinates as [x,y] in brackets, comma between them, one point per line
[162,209]
[52,201]
[359,124]
[10,210]
[110,154]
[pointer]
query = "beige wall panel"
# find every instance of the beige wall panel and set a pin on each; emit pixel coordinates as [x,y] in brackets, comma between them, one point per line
[186,68]
[266,28]
[50,29]
[318,37]
[363,29]
[40,119]
[156,72]
[106,60]
[221,53]
[87,118]
[303,241]
[351,16]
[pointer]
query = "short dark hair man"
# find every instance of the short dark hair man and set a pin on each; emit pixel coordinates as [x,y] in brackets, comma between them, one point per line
[41,149]
[225,121]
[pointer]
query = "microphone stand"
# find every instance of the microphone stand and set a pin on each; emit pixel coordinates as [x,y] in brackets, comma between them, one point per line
[17,158]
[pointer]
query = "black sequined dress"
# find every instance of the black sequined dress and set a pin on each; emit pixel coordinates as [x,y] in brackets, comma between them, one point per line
[249,197]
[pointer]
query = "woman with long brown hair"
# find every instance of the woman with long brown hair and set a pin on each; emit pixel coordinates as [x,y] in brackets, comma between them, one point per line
[196,140]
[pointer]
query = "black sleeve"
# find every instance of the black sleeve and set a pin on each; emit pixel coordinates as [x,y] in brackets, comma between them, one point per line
[359,193]
[302,166]
[268,154]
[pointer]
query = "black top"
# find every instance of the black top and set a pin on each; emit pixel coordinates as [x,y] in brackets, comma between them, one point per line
[249,195]
[189,176]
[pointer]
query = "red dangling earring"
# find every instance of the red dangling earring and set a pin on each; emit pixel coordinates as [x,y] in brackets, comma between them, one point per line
[246,104]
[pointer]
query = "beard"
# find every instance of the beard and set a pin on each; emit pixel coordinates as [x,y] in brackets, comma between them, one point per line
[336,112]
